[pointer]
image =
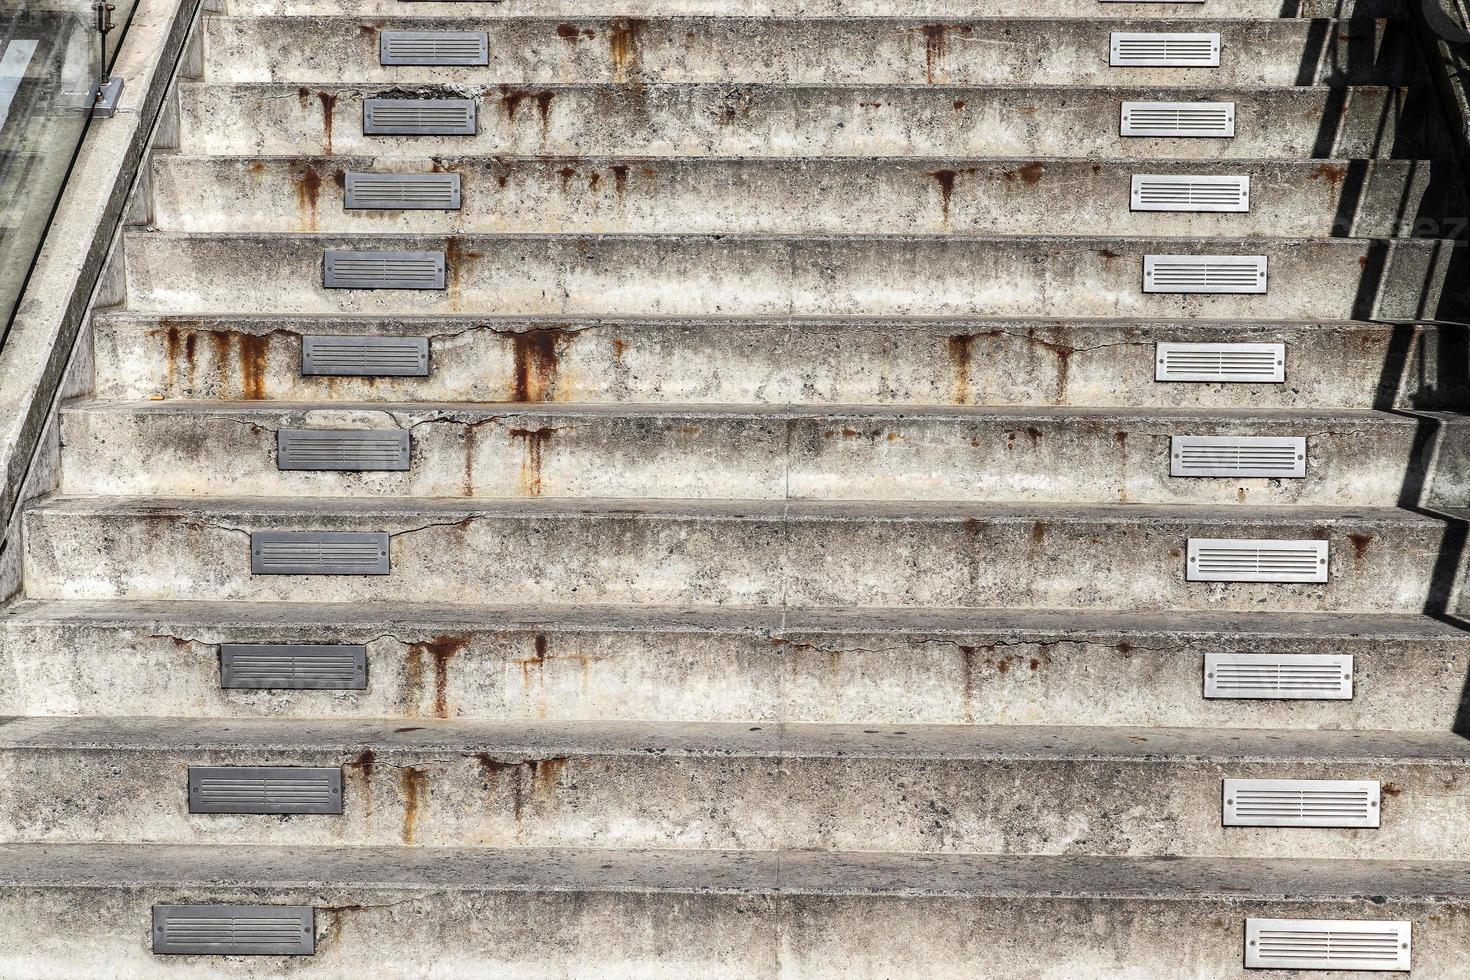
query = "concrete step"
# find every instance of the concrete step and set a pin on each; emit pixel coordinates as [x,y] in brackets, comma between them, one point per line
[841,666]
[1299,198]
[766,453]
[748,119]
[1144,9]
[898,362]
[808,50]
[723,915]
[750,553]
[737,786]
[784,275]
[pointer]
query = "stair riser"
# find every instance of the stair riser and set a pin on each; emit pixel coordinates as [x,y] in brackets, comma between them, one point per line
[1015,363]
[865,52]
[741,803]
[633,935]
[1304,200]
[756,561]
[454,671]
[720,120]
[692,275]
[497,455]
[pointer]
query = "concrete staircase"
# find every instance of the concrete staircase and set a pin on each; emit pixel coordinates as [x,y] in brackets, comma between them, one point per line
[788,578]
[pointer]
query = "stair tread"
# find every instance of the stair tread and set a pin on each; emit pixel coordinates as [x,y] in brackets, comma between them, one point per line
[1123,415]
[1021,625]
[133,866]
[770,510]
[463,321]
[555,739]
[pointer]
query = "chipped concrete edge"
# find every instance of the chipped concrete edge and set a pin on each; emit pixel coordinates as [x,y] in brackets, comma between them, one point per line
[42,361]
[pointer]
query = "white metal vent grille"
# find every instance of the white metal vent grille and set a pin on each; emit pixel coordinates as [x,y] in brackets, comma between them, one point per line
[1241,363]
[434,48]
[324,354]
[1191,119]
[1328,944]
[1161,50]
[235,930]
[1238,456]
[1190,192]
[1279,676]
[1204,273]
[402,192]
[1300,802]
[1254,560]
[418,117]
[344,269]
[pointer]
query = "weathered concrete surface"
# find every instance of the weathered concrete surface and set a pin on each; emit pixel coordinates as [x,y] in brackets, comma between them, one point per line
[823,8]
[1291,198]
[752,553]
[795,275]
[763,360]
[741,452]
[970,789]
[664,664]
[809,120]
[417,912]
[847,50]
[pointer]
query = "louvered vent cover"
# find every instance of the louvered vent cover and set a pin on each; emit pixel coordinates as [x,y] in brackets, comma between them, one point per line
[433,48]
[1238,456]
[1246,560]
[1164,50]
[319,553]
[1327,944]
[383,270]
[1241,363]
[1204,273]
[1300,803]
[264,789]
[293,666]
[1280,676]
[1215,119]
[418,117]
[1189,192]
[342,449]
[371,357]
[235,930]
[402,192]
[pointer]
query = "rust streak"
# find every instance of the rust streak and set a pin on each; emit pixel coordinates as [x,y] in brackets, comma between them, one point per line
[535,442]
[413,784]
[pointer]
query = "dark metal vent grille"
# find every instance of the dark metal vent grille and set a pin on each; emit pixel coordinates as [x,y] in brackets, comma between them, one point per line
[293,666]
[342,449]
[319,553]
[403,192]
[433,48]
[237,930]
[418,117]
[344,269]
[264,789]
[370,357]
